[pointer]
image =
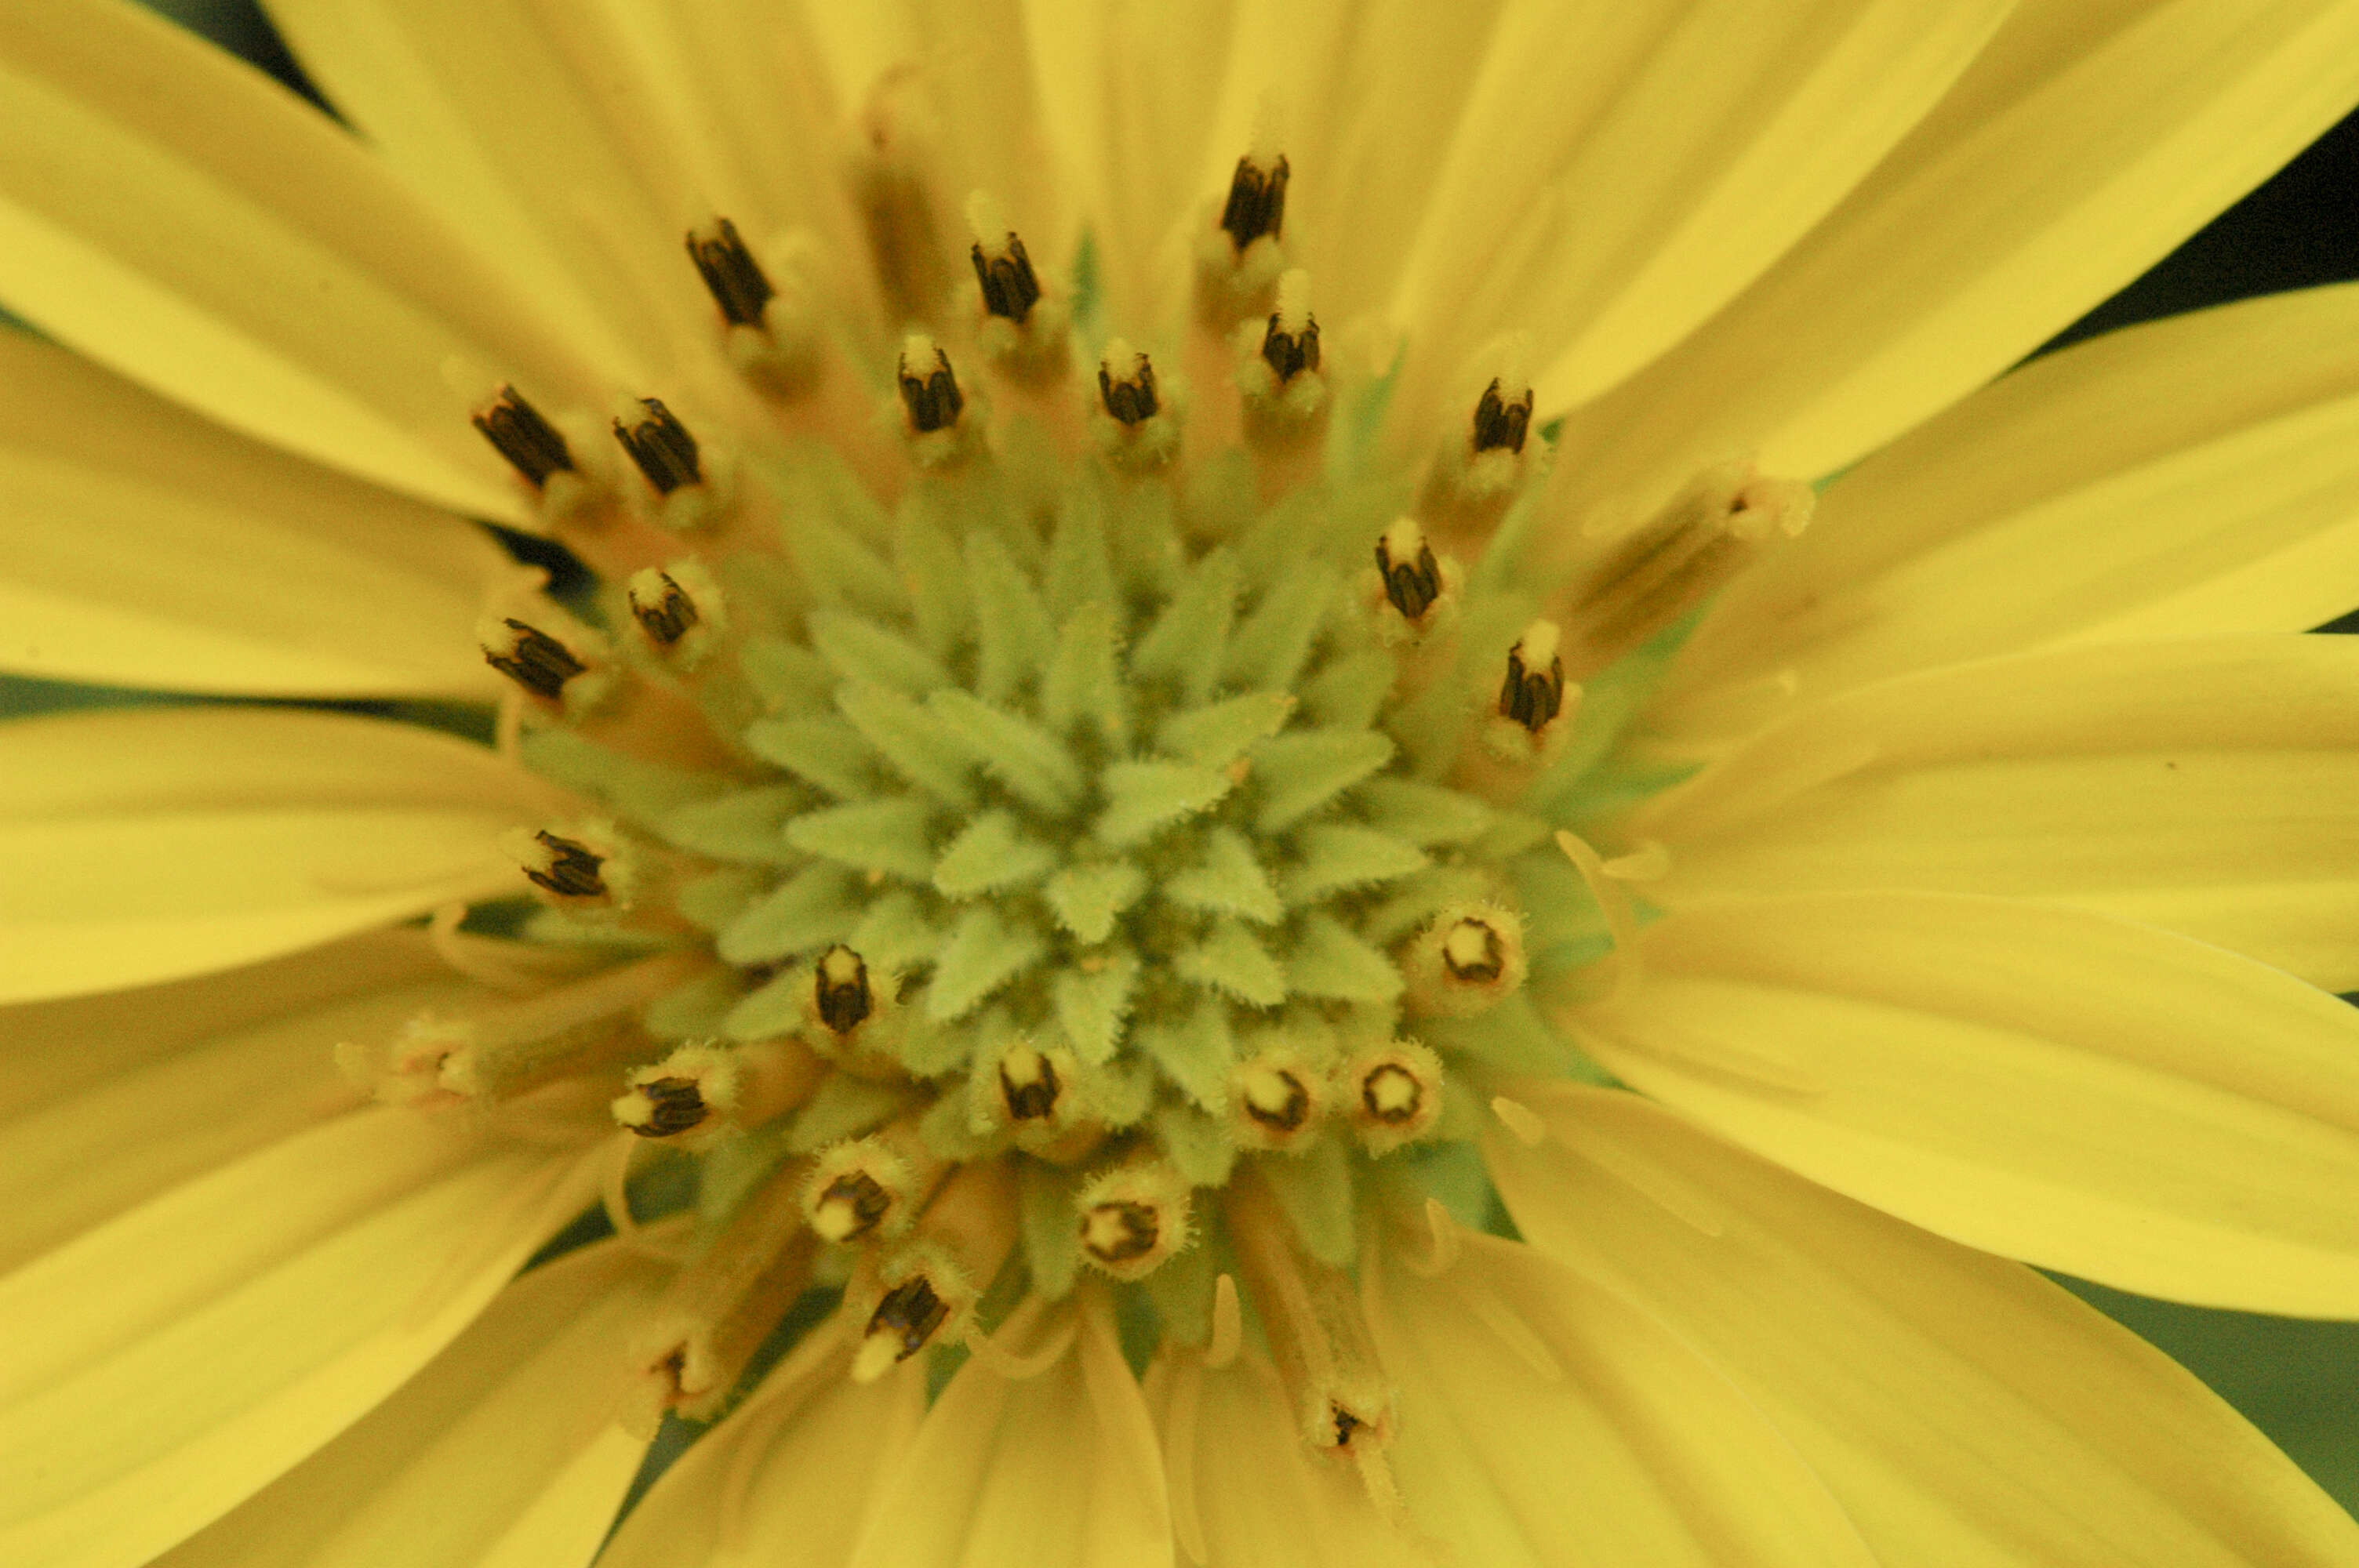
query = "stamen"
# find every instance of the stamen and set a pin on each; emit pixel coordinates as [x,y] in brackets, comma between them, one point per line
[719,1309]
[866,1188]
[1126,385]
[660,445]
[1277,1099]
[531,444]
[704,1089]
[678,608]
[1133,1218]
[570,672]
[1467,960]
[929,1289]
[1029,1085]
[661,607]
[1501,423]
[1009,288]
[734,279]
[1317,1336]
[840,990]
[570,868]
[1533,693]
[1396,1095]
[673,1105]
[931,392]
[909,1316]
[1291,345]
[1257,204]
[1412,576]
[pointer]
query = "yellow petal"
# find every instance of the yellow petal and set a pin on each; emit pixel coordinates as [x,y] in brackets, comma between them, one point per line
[176,215]
[114,1098]
[2073,154]
[1246,1490]
[1964,1411]
[504,1449]
[788,1478]
[1543,1420]
[2202,785]
[1621,172]
[166,1366]
[147,548]
[1059,1470]
[2189,477]
[147,845]
[2068,1088]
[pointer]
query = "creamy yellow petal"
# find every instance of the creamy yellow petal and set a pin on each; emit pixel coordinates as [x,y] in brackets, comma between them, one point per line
[515,1414]
[2190,476]
[1964,1411]
[1246,1490]
[789,1478]
[147,548]
[1543,1420]
[1621,172]
[2076,151]
[166,1366]
[150,844]
[2071,1090]
[1061,1470]
[116,1099]
[2202,784]
[177,216]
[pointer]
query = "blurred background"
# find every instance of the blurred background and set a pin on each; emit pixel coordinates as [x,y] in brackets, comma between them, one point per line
[2298,1381]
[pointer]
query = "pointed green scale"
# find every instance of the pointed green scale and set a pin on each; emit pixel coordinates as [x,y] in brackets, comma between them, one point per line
[1196,1052]
[1218,735]
[840,570]
[983,953]
[786,678]
[1511,1037]
[748,825]
[1338,856]
[894,934]
[1220,498]
[1084,680]
[860,650]
[1275,642]
[1300,771]
[1314,1188]
[1092,1005]
[1087,900]
[1188,641]
[1348,693]
[1230,961]
[1416,899]
[1197,1144]
[713,901]
[1081,568]
[1012,624]
[697,1011]
[929,563]
[813,907]
[1328,962]
[934,1050]
[892,836]
[1047,1222]
[845,1107]
[1121,1093]
[1019,753]
[992,853]
[825,751]
[1229,881]
[910,739]
[778,1006]
[641,791]
[1423,814]
[1143,798]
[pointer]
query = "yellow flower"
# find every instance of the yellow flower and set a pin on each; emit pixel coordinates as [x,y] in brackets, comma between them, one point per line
[1226,868]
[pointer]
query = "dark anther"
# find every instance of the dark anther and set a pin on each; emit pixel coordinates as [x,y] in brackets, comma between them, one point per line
[1131,399]
[1502,424]
[669,618]
[1009,288]
[1346,1424]
[572,868]
[674,1105]
[1256,203]
[859,1192]
[1532,696]
[531,443]
[1412,585]
[730,272]
[1479,967]
[1139,1232]
[912,1311]
[840,989]
[661,446]
[536,661]
[1289,1114]
[1035,1097]
[934,399]
[1288,354]
[1373,1096]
